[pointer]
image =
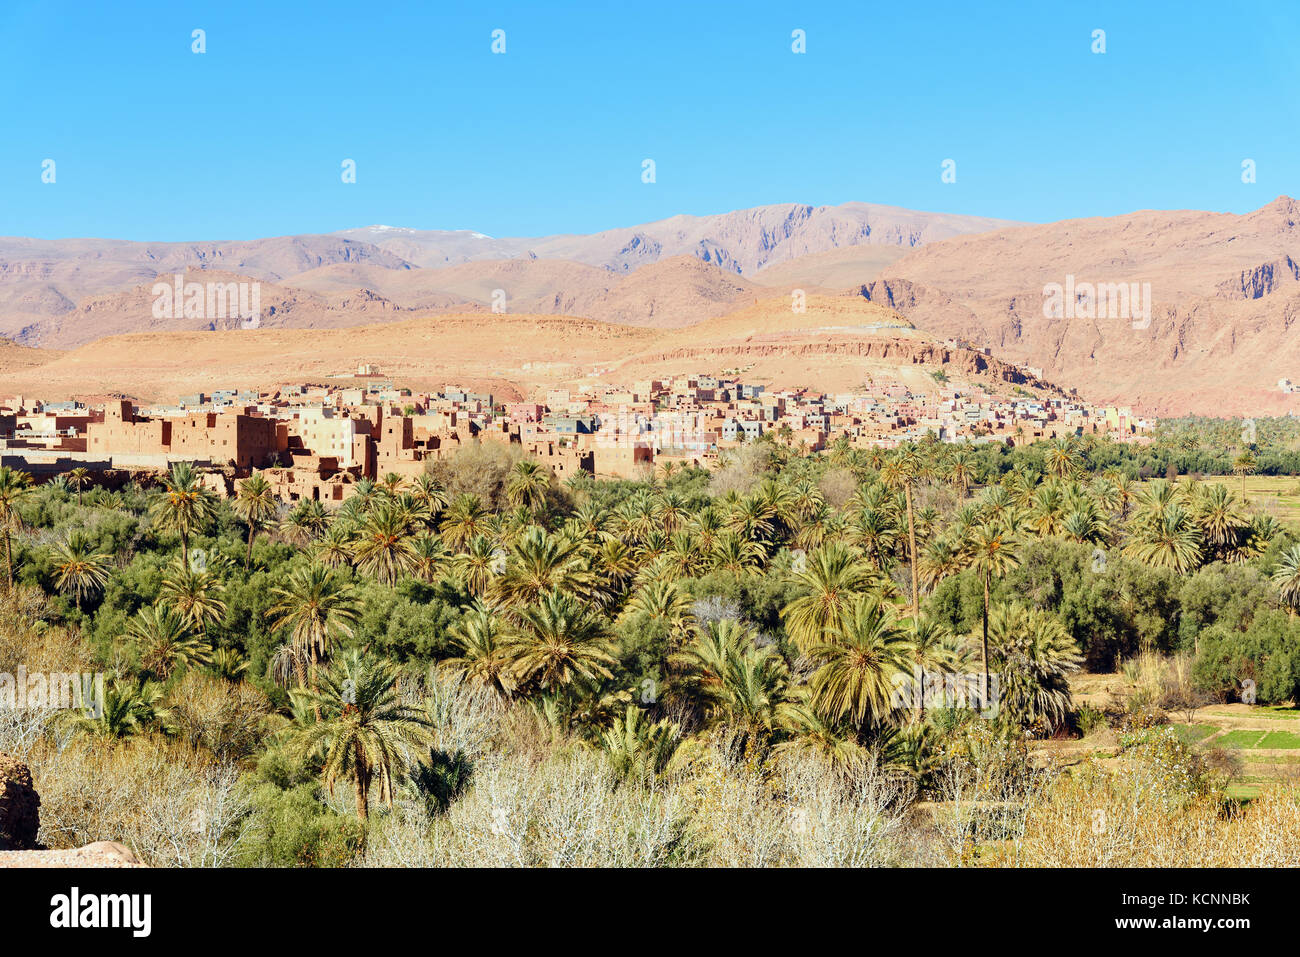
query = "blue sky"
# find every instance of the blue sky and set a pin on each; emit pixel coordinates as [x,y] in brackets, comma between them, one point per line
[153,141]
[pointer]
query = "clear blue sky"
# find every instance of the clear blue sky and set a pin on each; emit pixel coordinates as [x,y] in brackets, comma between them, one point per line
[152,141]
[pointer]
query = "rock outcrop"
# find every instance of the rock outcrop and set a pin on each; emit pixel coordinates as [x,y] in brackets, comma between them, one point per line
[20,815]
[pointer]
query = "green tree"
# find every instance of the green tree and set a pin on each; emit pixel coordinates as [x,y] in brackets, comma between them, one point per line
[357,725]
[256,504]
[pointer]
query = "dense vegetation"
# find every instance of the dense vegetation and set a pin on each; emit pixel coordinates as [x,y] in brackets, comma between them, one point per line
[698,668]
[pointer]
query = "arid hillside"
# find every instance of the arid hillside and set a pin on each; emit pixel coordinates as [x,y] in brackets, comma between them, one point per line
[1224,292]
[678,271]
[837,343]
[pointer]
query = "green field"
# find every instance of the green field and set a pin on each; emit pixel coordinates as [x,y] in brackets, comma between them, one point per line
[1278,495]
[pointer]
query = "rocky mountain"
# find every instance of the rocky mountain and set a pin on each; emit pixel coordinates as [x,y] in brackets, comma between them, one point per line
[42,278]
[742,242]
[1173,312]
[60,292]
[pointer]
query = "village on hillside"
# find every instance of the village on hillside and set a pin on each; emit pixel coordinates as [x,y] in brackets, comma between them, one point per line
[315,441]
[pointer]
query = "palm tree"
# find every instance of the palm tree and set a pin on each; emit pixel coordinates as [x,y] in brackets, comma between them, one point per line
[858,663]
[305,521]
[931,648]
[465,518]
[187,505]
[481,637]
[128,709]
[900,472]
[79,478]
[479,564]
[334,548]
[991,552]
[14,487]
[361,728]
[428,556]
[315,609]
[428,491]
[196,595]
[961,469]
[1243,465]
[528,484]
[165,641]
[638,748]
[734,679]
[1220,519]
[1063,458]
[734,553]
[256,504]
[79,570]
[1035,656]
[1287,578]
[1170,539]
[538,563]
[382,544]
[662,599]
[832,576]
[558,641]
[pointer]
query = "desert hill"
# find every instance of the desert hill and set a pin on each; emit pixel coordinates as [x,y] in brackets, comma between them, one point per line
[676,291]
[119,313]
[1224,291]
[837,343]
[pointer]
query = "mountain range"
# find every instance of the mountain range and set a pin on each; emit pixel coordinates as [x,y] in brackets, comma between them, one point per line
[1214,294]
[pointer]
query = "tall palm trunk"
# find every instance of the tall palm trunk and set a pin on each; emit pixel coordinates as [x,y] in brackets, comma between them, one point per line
[911,535]
[985,691]
[9,558]
[252,530]
[363,787]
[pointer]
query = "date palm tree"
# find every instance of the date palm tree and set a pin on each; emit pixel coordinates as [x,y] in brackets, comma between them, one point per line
[991,552]
[1169,540]
[186,506]
[663,600]
[382,544]
[15,486]
[196,595]
[831,576]
[78,479]
[79,570]
[1063,458]
[464,518]
[1034,656]
[334,548]
[305,521]
[528,484]
[165,641]
[857,664]
[480,636]
[558,641]
[359,727]
[128,709]
[901,471]
[1243,465]
[429,555]
[539,562]
[1287,578]
[314,609]
[256,504]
